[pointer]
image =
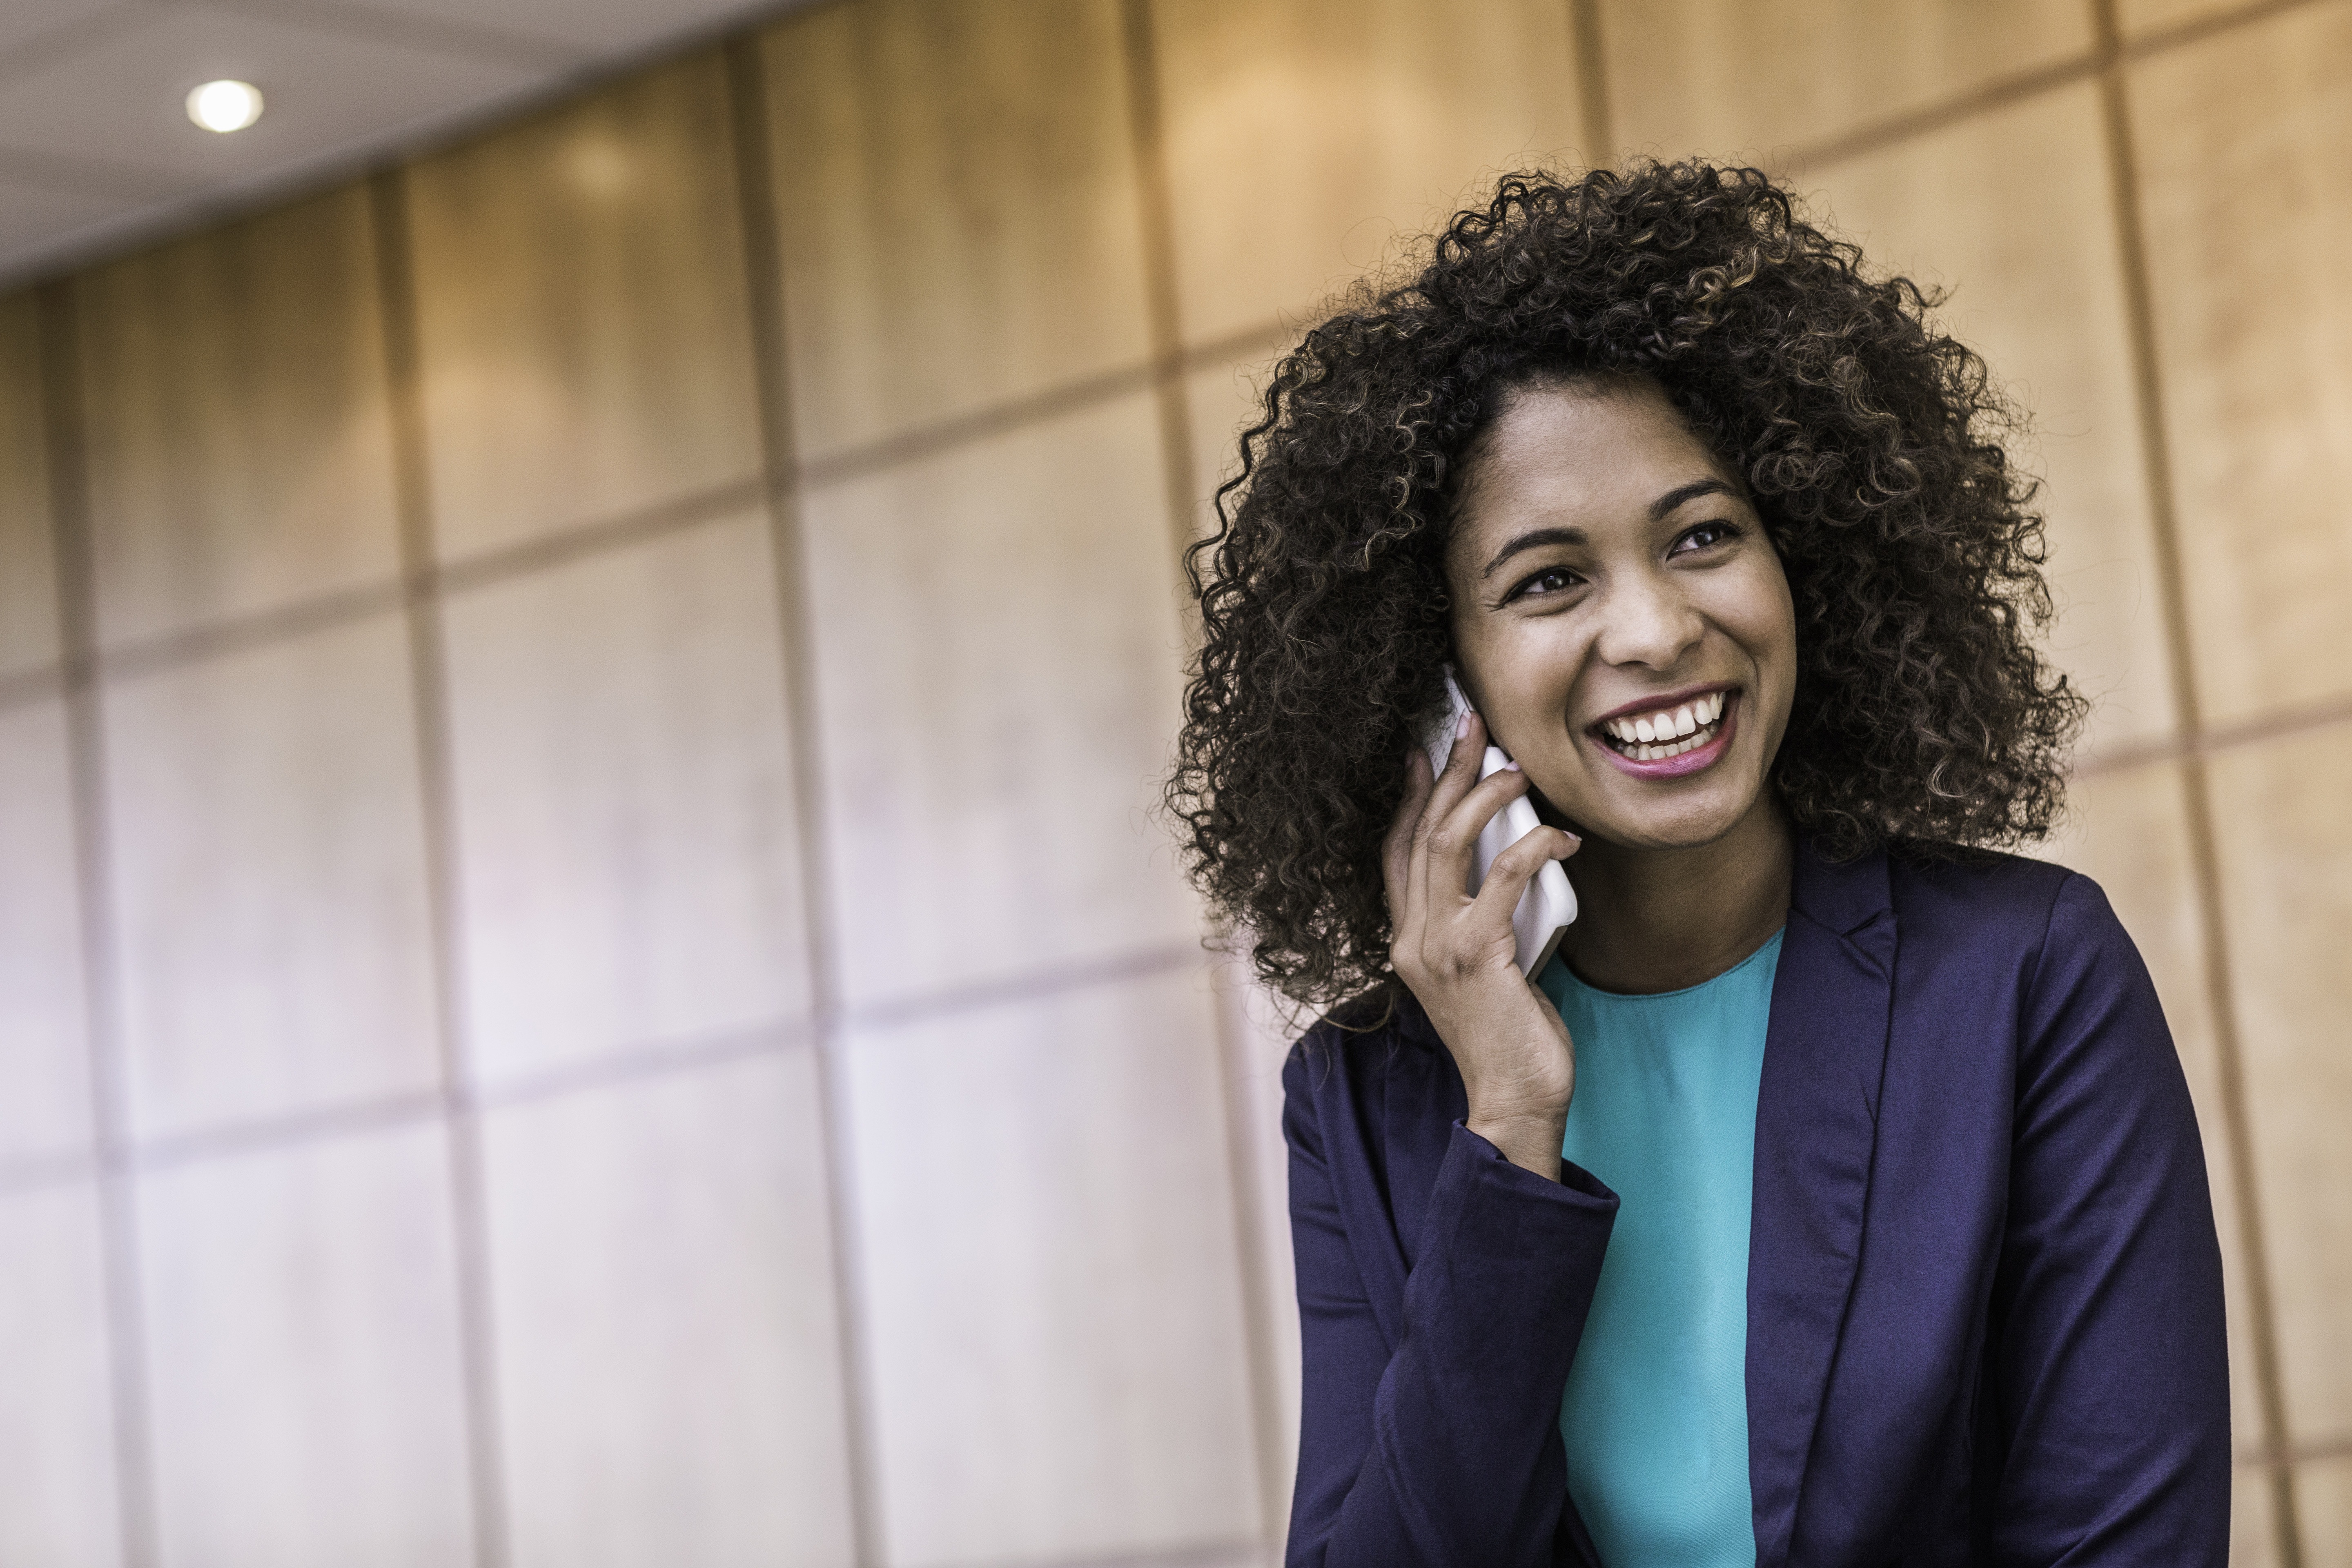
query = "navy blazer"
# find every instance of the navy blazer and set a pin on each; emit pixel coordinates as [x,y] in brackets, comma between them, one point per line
[1984,1295]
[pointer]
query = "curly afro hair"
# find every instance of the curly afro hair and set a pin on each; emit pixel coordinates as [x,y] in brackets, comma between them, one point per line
[1871,444]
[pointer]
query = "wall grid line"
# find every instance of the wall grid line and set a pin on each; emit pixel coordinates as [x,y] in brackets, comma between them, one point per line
[760,226]
[1138,56]
[437,796]
[1591,68]
[64,419]
[2130,222]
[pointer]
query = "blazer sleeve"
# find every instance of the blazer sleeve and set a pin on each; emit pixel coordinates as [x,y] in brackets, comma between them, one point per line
[1442,1448]
[2111,1386]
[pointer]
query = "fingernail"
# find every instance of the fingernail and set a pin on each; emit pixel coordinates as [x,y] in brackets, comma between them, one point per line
[1461,730]
[1511,767]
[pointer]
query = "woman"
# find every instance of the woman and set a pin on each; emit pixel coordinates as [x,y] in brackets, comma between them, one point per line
[1834,1197]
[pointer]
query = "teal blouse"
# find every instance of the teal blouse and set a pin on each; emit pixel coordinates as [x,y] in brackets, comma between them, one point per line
[1655,1411]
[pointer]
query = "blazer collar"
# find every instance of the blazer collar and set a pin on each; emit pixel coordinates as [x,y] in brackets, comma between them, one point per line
[1816,1127]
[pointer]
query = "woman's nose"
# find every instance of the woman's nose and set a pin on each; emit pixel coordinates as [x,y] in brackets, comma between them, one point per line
[1647,621]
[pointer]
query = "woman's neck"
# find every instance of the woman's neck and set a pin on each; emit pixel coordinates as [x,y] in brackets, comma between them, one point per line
[1660,920]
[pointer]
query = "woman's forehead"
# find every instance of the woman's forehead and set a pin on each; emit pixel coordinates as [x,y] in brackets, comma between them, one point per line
[1583,454]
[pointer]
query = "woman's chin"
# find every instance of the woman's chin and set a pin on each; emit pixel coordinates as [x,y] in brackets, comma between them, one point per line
[1693,820]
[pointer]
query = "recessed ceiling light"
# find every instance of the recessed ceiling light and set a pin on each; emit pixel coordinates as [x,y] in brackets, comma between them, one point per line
[225,105]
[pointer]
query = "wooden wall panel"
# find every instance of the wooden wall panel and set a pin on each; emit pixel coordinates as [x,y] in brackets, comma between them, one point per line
[1220,402]
[629,862]
[44,1078]
[57,1425]
[582,308]
[240,456]
[669,1382]
[997,647]
[29,594]
[1305,139]
[2011,213]
[1750,79]
[2246,145]
[2129,832]
[302,1356]
[2141,18]
[2323,1492]
[2284,851]
[1053,1313]
[955,180]
[270,882]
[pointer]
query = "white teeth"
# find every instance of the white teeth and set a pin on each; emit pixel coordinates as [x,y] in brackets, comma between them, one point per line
[1654,737]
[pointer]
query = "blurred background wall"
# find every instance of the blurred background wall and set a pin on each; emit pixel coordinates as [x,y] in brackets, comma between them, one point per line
[584,975]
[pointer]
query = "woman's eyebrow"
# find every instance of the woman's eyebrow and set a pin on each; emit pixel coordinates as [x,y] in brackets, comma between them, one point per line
[1533,539]
[1674,497]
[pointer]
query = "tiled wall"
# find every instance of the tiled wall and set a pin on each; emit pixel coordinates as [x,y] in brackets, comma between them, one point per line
[584,976]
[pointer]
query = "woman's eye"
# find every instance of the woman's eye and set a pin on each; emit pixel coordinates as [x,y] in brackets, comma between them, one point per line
[1551,580]
[1706,536]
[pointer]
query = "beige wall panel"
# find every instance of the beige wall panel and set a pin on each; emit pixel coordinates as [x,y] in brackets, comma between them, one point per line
[669,1381]
[625,800]
[2284,849]
[997,656]
[29,594]
[1051,1273]
[240,452]
[44,1084]
[2010,212]
[303,1364]
[1258,1033]
[581,300]
[1220,402]
[1304,138]
[2128,832]
[956,189]
[2254,1526]
[1746,79]
[57,1425]
[269,875]
[2140,19]
[2246,153]
[2324,1500]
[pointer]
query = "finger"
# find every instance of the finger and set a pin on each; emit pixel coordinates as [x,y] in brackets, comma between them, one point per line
[1461,772]
[1448,841]
[1506,881]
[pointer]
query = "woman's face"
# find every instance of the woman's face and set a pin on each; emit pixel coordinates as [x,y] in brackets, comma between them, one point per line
[1611,582]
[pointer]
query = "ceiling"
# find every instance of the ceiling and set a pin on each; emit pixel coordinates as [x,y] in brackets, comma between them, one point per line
[96,152]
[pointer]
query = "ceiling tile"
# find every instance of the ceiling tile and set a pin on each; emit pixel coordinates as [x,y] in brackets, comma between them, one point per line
[612,26]
[121,100]
[31,214]
[39,24]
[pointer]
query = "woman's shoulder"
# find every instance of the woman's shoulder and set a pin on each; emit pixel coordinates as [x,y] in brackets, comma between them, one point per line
[2050,926]
[1986,894]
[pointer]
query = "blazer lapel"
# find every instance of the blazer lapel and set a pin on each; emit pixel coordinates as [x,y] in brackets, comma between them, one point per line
[1816,1125]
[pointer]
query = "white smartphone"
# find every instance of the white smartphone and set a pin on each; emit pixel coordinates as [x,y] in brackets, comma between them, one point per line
[1549,906]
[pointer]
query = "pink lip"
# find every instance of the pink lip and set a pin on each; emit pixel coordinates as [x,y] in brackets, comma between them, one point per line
[1706,756]
[1666,700]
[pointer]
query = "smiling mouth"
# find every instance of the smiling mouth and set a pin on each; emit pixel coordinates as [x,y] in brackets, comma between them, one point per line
[1665,732]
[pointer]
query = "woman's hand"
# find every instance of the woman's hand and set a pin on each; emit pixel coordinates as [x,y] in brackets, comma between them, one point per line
[1461,960]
